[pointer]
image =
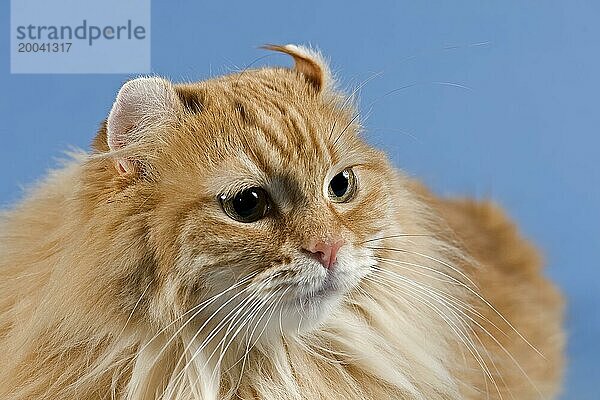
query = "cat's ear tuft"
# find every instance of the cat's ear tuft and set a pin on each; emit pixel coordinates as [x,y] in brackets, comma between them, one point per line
[308,62]
[142,107]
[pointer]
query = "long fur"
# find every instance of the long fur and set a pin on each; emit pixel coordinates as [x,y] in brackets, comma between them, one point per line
[102,271]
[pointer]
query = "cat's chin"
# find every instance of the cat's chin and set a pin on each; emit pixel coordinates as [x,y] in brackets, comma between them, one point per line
[302,314]
[306,310]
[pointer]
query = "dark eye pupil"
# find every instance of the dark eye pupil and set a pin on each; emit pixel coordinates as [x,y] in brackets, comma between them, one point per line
[249,205]
[246,203]
[339,184]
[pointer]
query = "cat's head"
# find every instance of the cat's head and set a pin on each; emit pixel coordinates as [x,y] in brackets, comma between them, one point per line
[257,193]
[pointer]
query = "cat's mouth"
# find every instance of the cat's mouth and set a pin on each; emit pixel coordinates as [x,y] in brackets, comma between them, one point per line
[325,290]
[316,293]
[331,287]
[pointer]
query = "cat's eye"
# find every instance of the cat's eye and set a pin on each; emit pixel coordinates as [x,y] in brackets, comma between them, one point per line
[249,205]
[342,187]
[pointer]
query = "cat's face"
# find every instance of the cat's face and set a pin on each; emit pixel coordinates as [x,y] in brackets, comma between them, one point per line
[263,199]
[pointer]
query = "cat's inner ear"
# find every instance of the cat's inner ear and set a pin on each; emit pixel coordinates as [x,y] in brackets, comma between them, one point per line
[143,106]
[308,62]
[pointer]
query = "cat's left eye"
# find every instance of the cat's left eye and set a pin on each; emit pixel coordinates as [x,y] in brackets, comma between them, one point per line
[342,187]
[249,205]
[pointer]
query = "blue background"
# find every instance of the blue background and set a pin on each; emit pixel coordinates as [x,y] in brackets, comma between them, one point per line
[524,131]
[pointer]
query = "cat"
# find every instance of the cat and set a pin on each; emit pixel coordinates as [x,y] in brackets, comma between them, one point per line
[237,238]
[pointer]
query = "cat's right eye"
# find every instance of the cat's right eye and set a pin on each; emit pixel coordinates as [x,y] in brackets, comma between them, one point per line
[249,205]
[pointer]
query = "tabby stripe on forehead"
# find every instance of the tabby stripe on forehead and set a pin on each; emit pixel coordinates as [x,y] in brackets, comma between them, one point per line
[271,129]
[251,94]
[296,138]
[246,95]
[260,157]
[299,126]
[303,124]
[289,113]
[317,140]
[259,149]
[256,117]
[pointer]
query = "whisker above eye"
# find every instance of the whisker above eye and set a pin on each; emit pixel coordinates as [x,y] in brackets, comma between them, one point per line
[351,95]
[413,84]
[345,129]
[360,86]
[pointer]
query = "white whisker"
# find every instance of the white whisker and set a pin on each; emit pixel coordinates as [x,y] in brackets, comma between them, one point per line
[473,291]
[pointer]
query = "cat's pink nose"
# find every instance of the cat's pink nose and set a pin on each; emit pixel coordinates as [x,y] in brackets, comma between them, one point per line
[325,251]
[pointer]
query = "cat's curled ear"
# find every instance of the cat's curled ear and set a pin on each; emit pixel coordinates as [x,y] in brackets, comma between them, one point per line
[143,108]
[308,62]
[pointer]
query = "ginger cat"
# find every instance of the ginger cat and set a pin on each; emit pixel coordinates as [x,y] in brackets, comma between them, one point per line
[236,238]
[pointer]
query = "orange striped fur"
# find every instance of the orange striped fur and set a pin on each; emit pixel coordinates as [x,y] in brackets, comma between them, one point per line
[102,261]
